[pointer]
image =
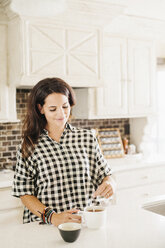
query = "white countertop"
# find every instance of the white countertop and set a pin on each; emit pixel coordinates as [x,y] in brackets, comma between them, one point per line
[128,162]
[126,227]
[130,227]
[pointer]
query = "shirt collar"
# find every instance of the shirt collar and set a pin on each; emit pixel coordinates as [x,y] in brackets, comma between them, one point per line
[67,127]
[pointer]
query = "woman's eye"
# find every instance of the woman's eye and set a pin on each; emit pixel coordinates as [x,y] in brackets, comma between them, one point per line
[65,106]
[52,110]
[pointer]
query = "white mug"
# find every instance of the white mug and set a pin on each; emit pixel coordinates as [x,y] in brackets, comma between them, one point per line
[94,216]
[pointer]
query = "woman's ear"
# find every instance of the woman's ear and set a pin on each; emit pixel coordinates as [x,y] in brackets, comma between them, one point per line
[40,108]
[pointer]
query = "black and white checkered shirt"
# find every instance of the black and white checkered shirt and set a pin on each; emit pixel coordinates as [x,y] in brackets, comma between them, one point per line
[61,175]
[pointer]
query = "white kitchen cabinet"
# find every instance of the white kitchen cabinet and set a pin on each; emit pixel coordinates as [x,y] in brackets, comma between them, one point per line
[7,94]
[137,186]
[3,74]
[7,201]
[139,195]
[128,69]
[141,76]
[112,98]
[40,49]
[11,208]
[11,217]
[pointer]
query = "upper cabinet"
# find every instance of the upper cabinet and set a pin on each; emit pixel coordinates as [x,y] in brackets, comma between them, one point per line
[3,74]
[141,77]
[73,44]
[7,93]
[129,73]
[61,39]
[39,49]
[113,96]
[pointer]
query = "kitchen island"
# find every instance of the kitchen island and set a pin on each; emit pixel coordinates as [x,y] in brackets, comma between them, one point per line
[128,224]
[127,227]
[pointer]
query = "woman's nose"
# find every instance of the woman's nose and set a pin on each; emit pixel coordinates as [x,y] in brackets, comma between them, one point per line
[60,111]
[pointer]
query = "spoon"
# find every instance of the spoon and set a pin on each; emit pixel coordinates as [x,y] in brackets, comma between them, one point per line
[103,201]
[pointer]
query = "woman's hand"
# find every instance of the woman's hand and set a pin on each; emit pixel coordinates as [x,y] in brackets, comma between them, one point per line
[67,216]
[106,188]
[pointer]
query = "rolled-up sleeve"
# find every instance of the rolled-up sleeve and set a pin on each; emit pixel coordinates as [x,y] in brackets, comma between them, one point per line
[24,176]
[101,166]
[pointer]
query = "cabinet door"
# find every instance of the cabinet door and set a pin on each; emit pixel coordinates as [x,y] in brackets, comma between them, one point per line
[3,73]
[141,67]
[132,178]
[112,99]
[132,196]
[139,195]
[11,216]
[72,53]
[7,201]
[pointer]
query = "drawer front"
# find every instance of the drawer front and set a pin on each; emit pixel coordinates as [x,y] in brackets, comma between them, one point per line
[139,195]
[132,197]
[157,174]
[137,177]
[156,189]
[7,201]
[11,216]
[127,179]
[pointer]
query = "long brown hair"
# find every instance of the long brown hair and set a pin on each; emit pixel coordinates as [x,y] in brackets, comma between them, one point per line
[34,121]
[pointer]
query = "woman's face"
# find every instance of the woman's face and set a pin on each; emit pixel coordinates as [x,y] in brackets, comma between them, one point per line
[56,109]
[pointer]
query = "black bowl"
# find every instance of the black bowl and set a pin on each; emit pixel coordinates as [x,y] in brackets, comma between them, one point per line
[69,231]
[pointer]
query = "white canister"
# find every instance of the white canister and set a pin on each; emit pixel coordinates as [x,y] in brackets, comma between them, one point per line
[131,149]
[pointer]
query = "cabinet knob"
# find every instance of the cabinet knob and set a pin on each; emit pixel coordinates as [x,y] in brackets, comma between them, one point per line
[144,177]
[145,195]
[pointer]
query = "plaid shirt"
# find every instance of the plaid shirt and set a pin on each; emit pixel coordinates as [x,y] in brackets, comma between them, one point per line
[62,175]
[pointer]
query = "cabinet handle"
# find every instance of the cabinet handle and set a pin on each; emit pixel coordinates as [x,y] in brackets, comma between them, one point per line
[145,195]
[145,177]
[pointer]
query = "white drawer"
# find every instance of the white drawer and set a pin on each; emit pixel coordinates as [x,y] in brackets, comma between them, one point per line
[157,174]
[137,177]
[7,201]
[156,189]
[12,216]
[139,195]
[127,179]
[132,197]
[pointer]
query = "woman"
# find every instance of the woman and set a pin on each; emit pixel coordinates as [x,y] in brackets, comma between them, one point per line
[60,168]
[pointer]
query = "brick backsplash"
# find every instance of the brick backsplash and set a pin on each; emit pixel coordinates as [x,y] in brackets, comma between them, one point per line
[10,133]
[21,100]
[10,136]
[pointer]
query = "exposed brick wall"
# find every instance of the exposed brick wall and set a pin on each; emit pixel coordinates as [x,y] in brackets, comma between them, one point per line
[10,136]
[10,133]
[121,124]
[21,100]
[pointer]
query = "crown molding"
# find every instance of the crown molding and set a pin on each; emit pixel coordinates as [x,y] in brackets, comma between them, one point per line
[92,11]
[5,8]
